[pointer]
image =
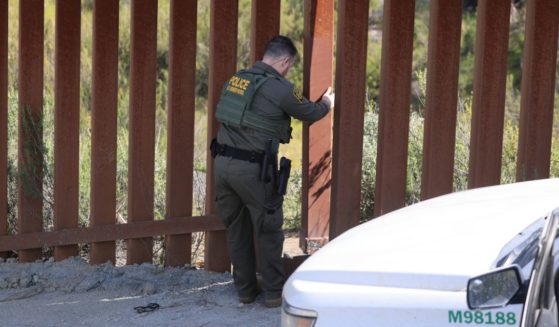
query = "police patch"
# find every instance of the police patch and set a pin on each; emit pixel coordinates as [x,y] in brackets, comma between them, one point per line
[298,94]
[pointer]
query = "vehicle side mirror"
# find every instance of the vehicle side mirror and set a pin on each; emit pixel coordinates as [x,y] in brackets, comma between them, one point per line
[494,289]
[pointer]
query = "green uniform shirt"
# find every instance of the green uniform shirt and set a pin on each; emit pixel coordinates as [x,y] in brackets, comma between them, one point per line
[277,99]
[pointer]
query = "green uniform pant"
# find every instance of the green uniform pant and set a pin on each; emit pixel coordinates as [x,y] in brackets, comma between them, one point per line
[251,211]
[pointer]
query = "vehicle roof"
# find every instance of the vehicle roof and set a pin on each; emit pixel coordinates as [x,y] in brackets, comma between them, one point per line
[435,244]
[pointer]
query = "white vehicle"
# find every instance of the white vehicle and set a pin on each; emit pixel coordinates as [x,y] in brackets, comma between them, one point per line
[483,257]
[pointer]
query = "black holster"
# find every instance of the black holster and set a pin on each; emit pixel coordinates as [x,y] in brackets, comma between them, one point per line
[266,162]
[283,175]
[214,148]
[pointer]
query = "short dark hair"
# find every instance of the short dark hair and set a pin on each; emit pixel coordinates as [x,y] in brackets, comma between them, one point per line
[280,46]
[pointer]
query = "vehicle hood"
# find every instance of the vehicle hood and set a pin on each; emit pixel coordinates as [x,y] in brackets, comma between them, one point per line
[437,244]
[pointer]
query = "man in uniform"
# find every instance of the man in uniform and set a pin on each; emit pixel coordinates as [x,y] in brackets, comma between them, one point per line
[254,110]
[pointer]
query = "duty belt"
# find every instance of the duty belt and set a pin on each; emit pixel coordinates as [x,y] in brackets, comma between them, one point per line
[266,159]
[235,153]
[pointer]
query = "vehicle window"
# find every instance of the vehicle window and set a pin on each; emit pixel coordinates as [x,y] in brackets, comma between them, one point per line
[553,303]
[522,249]
[548,294]
[540,304]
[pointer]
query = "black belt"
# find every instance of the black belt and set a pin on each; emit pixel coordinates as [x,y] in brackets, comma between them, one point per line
[235,153]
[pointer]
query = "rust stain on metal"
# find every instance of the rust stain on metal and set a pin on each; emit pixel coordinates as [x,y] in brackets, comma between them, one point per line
[223,64]
[395,93]
[538,90]
[103,123]
[349,115]
[67,121]
[317,138]
[3,120]
[30,200]
[106,233]
[180,122]
[142,124]
[265,25]
[488,109]
[442,97]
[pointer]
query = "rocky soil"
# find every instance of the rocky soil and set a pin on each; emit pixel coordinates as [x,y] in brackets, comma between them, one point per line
[74,293]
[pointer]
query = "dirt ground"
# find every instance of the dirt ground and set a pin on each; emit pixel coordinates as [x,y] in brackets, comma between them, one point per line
[74,293]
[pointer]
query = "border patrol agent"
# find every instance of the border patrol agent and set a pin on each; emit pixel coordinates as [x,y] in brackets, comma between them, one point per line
[254,110]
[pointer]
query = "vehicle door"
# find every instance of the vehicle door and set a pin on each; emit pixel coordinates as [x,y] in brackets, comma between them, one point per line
[541,301]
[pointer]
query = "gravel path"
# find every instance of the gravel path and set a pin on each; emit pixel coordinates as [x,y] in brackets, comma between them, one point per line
[74,293]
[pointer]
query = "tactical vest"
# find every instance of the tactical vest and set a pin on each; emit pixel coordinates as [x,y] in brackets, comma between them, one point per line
[234,106]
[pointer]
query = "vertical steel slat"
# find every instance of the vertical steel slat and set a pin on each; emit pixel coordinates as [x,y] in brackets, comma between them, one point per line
[349,115]
[442,96]
[142,124]
[488,110]
[30,167]
[317,138]
[3,120]
[180,122]
[67,121]
[538,90]
[265,24]
[395,93]
[103,123]
[223,63]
